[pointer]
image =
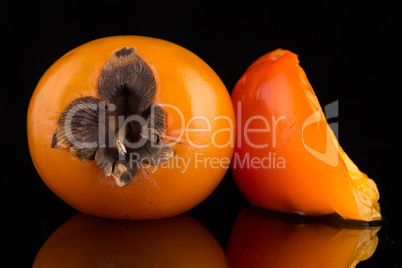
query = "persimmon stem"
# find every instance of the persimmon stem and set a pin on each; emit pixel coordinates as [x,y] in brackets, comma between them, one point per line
[120,138]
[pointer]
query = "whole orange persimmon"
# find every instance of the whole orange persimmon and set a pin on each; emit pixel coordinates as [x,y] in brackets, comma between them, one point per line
[131,127]
[286,157]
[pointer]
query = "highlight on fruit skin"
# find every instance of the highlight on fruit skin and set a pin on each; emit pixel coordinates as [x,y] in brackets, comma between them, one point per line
[280,119]
[271,239]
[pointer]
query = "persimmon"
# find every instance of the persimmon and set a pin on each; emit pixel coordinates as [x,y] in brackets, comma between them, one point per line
[261,239]
[123,127]
[286,156]
[87,241]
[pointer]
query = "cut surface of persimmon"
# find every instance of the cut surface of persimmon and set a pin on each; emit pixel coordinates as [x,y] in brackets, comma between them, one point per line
[286,157]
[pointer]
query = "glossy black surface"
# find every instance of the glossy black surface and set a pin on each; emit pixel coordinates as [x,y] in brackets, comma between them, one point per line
[350,52]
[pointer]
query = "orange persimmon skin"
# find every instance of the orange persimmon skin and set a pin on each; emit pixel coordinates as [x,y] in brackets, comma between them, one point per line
[184,82]
[309,173]
[86,241]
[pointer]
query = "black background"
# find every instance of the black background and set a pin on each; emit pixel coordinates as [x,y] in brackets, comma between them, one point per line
[350,51]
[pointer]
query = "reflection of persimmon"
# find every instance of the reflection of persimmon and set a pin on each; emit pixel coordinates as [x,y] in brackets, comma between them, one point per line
[279,116]
[87,241]
[261,241]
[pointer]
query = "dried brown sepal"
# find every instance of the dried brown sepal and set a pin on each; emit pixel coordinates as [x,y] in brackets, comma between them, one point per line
[121,175]
[127,82]
[78,128]
[84,153]
[157,120]
[105,159]
[124,172]
[155,127]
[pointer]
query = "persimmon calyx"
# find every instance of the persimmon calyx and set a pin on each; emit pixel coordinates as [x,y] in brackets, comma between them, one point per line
[123,129]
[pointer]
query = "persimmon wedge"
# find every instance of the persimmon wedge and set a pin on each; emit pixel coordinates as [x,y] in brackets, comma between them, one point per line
[286,156]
